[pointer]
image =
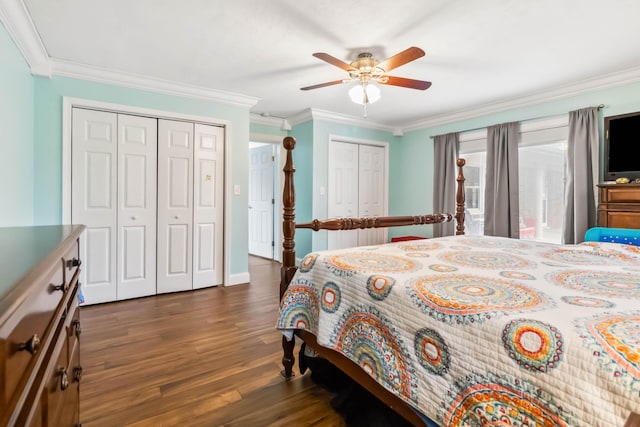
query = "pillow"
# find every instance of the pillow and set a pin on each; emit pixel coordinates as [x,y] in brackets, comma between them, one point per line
[626,236]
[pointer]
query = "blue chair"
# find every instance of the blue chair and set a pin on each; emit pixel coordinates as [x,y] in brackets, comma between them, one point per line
[628,236]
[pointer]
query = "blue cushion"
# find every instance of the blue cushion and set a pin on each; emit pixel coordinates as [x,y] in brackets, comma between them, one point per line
[628,236]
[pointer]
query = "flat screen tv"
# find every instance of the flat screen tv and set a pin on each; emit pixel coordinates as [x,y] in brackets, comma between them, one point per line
[622,146]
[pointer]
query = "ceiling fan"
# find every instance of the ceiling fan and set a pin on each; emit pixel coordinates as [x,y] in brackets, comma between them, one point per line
[366,69]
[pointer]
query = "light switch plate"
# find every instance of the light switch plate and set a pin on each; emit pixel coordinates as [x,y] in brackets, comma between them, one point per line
[236,189]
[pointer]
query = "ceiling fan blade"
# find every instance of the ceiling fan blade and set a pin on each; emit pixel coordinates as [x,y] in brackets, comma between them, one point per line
[403,82]
[407,55]
[333,61]
[335,82]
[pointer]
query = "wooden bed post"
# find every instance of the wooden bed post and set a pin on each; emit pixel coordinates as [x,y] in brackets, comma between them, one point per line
[460,199]
[288,268]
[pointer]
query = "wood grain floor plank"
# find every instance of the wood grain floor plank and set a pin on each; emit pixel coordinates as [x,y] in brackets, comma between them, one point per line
[209,357]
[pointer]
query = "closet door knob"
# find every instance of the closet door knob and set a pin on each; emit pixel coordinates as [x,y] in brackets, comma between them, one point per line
[176,217]
[133,218]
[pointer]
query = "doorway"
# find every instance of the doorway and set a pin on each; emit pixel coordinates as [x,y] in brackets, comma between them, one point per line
[263,180]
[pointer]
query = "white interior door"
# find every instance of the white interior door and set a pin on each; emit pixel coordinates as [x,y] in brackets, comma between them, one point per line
[208,205]
[371,179]
[342,194]
[137,151]
[94,198]
[175,206]
[261,200]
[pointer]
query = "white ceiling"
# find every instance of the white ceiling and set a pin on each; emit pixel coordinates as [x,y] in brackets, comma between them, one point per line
[479,52]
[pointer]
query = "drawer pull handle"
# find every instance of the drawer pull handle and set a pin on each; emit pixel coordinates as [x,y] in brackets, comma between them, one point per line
[31,345]
[63,287]
[64,378]
[77,374]
[77,330]
[75,262]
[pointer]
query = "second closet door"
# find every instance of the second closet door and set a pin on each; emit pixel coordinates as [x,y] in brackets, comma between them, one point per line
[356,183]
[175,206]
[136,264]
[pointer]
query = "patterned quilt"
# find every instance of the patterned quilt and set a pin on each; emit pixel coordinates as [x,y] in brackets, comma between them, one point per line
[484,330]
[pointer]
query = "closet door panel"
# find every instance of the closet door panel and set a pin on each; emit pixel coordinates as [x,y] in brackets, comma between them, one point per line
[178,249]
[371,166]
[97,250]
[208,205]
[343,191]
[137,158]
[261,201]
[94,199]
[175,206]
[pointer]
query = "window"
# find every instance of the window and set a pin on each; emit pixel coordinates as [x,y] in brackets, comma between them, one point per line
[473,148]
[541,172]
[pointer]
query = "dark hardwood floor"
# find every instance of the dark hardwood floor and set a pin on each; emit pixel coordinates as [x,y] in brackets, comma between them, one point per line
[209,357]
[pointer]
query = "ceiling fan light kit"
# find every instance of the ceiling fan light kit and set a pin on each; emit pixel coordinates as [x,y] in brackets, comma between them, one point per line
[367,70]
[364,94]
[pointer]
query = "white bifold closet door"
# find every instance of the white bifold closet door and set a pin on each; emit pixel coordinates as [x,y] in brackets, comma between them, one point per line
[342,195]
[208,199]
[189,205]
[113,194]
[356,189]
[175,206]
[150,192]
[371,179]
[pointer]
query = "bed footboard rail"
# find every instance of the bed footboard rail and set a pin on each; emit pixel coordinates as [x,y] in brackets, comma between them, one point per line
[374,222]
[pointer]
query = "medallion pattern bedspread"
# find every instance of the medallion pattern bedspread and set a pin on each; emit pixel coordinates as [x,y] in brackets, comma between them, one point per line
[483,330]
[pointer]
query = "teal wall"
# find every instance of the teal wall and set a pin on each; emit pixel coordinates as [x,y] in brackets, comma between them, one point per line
[16,144]
[303,181]
[322,132]
[48,146]
[411,182]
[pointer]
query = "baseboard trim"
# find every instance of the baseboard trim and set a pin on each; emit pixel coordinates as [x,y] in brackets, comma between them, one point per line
[238,279]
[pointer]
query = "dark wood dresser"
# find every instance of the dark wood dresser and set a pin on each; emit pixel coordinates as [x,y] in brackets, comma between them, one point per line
[619,206]
[39,326]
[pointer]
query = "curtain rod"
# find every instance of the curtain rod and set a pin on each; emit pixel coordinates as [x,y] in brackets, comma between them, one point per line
[600,107]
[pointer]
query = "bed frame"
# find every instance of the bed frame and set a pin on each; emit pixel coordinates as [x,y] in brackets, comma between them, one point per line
[289,268]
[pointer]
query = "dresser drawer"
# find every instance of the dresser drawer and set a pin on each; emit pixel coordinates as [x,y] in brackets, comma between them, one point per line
[63,377]
[616,219]
[25,334]
[625,193]
[71,262]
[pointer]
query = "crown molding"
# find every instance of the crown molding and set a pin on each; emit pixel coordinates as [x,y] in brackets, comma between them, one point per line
[152,84]
[16,19]
[315,114]
[606,81]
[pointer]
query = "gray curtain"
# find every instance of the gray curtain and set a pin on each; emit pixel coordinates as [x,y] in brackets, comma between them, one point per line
[501,203]
[445,153]
[582,172]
